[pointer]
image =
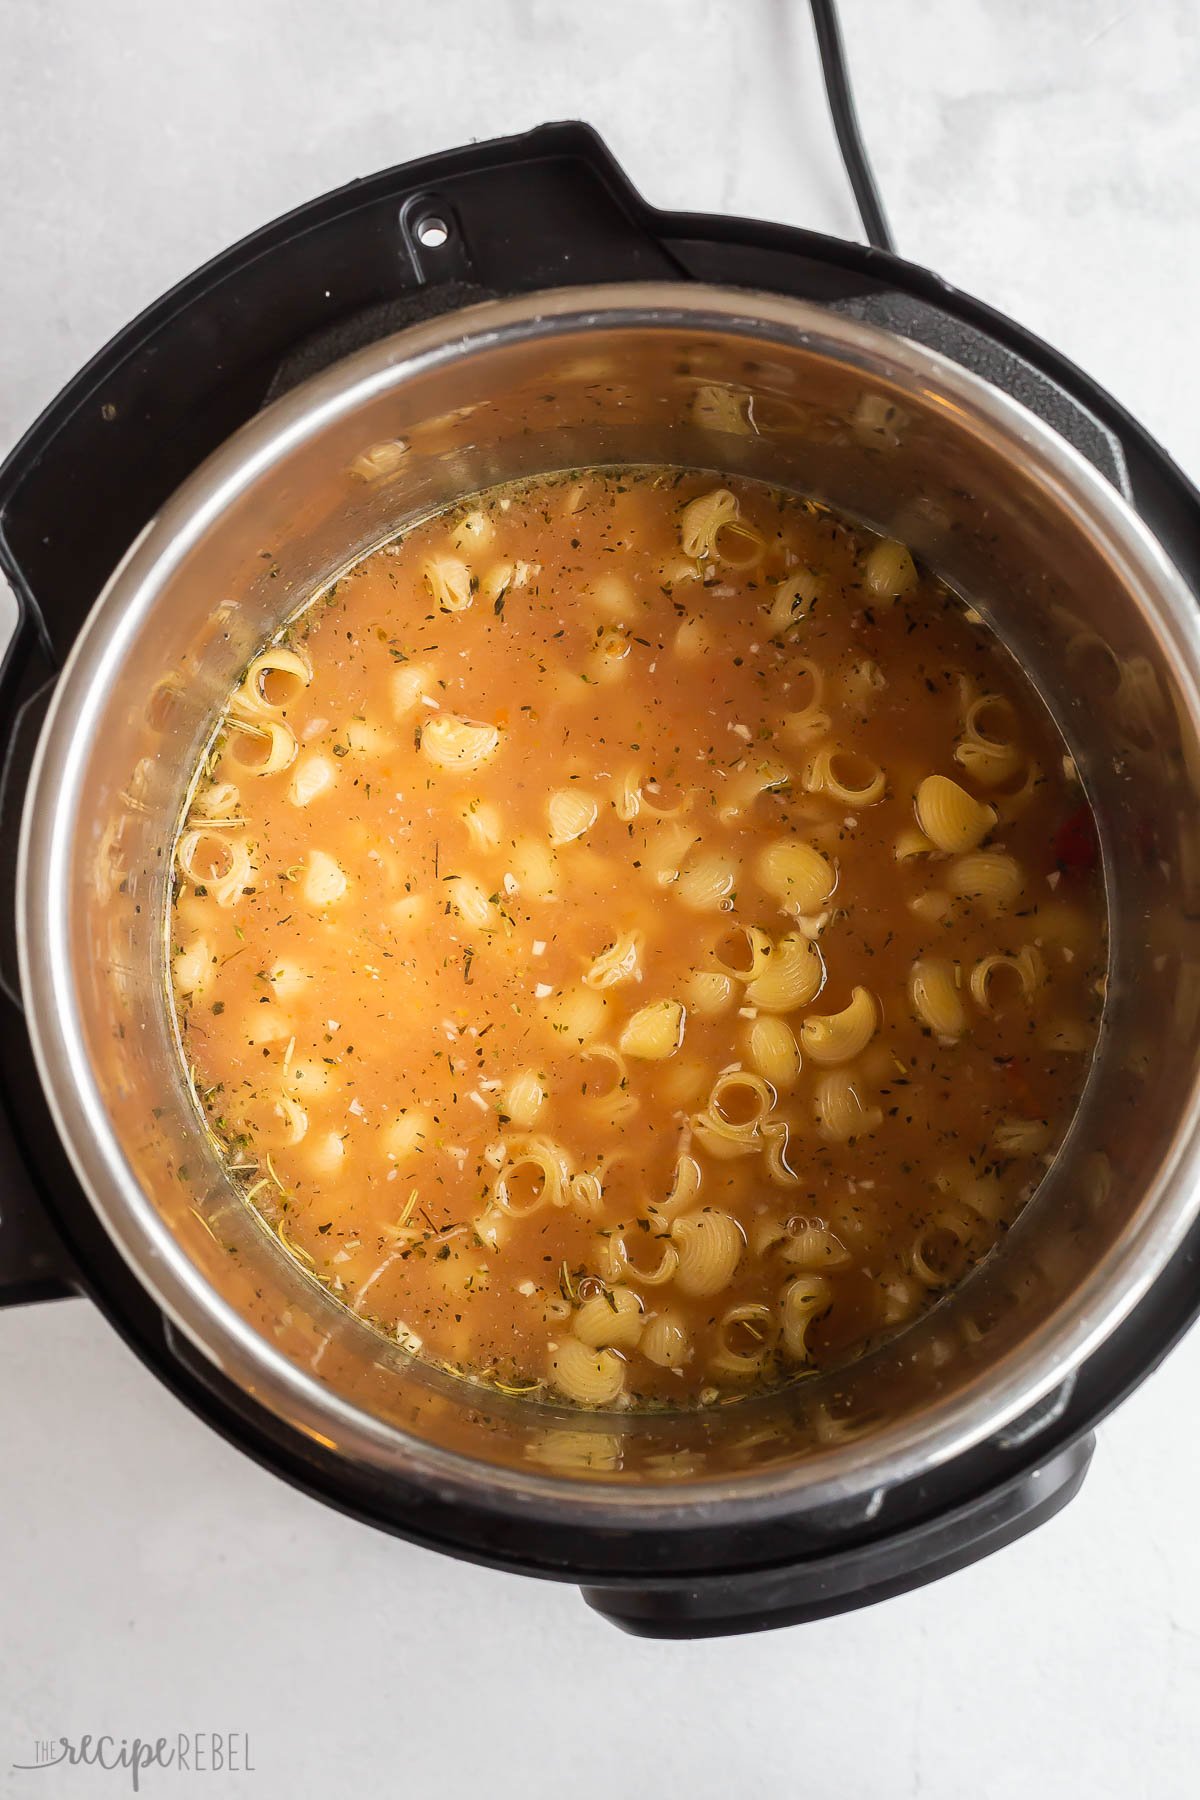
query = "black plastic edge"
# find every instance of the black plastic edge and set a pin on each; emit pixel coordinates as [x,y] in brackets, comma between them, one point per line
[847,1580]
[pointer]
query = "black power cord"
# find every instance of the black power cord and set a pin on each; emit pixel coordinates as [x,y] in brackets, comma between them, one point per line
[845,124]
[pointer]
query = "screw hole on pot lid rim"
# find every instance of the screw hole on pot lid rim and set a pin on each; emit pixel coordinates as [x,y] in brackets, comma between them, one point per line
[433,232]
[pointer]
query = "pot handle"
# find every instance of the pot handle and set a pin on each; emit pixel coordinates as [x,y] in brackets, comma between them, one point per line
[34,1262]
[992,361]
[760,1600]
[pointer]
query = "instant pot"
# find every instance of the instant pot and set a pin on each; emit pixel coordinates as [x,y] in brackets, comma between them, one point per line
[496,312]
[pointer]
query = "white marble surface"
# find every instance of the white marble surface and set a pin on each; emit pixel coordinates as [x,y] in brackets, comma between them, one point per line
[1044,154]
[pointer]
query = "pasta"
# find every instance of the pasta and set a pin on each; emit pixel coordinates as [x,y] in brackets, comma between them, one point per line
[990,877]
[274,679]
[747,782]
[994,976]
[912,843]
[987,750]
[524,1097]
[589,1377]
[745,953]
[950,817]
[472,531]
[325,881]
[452,743]
[686,1181]
[813,1246]
[610,1321]
[412,685]
[535,1174]
[570,813]
[804,1298]
[933,986]
[709,993]
[313,776]
[577,1015]
[940,1250]
[215,862]
[710,1246]
[665,1341]
[889,572]
[795,597]
[842,1113]
[533,868]
[483,825]
[797,875]
[264,748]
[746,1336]
[840,1037]
[654,1032]
[845,776]
[192,969]
[793,976]
[619,962]
[731,1124]
[773,1051]
[712,526]
[472,904]
[449,582]
[706,880]
[618,938]
[702,518]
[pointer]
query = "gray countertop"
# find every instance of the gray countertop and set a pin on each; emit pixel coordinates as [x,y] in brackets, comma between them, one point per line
[1044,154]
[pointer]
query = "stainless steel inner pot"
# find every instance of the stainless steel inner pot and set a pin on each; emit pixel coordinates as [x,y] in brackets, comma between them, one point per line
[735,382]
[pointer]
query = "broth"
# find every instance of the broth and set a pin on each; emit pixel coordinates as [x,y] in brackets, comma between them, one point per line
[637,938]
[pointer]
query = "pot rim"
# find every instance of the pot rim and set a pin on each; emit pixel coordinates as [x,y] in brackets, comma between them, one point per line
[944,1430]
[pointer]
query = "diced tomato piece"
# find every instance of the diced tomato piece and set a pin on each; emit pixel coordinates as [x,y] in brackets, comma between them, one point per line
[1076,847]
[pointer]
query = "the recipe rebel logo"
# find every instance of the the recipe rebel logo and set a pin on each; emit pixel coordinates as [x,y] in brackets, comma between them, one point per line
[186,1752]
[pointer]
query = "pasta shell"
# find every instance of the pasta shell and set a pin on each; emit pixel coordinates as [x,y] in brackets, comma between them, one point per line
[313,776]
[324,880]
[411,684]
[571,812]
[840,1037]
[524,1097]
[773,1051]
[951,818]
[588,1377]
[933,991]
[449,581]
[989,876]
[612,1320]
[794,599]
[993,976]
[793,977]
[621,961]
[842,1114]
[665,1341]
[845,776]
[814,1247]
[709,993]
[655,1032]
[746,1336]
[889,572]
[706,881]
[710,1246]
[795,874]
[273,680]
[472,904]
[804,1299]
[453,743]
